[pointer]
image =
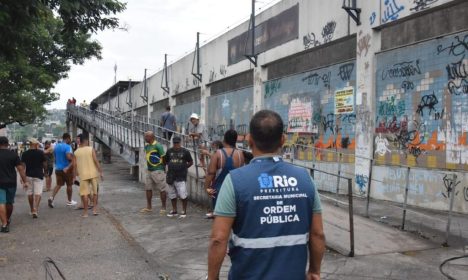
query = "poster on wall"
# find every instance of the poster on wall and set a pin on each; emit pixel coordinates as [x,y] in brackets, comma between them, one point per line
[300,116]
[344,101]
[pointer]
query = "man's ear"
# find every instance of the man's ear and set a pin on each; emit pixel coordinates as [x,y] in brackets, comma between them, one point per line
[250,140]
[283,139]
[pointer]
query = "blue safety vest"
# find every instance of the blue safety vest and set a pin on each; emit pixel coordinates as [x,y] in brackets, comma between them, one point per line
[270,235]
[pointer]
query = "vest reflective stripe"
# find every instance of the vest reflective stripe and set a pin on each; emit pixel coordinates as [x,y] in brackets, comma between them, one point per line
[270,242]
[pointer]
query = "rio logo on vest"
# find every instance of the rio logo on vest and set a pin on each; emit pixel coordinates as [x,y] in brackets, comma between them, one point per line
[267,182]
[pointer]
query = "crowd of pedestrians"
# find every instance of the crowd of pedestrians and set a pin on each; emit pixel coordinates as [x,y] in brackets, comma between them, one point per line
[268,210]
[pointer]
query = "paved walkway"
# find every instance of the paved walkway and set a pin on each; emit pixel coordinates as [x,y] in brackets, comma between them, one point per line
[125,244]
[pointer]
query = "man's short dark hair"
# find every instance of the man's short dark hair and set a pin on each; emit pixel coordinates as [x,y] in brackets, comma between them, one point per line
[168,108]
[3,141]
[266,130]
[83,137]
[230,137]
[66,136]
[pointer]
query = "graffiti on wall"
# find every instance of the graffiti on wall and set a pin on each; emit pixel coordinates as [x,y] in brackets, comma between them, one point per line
[310,40]
[363,45]
[451,182]
[391,10]
[307,101]
[420,104]
[229,110]
[420,5]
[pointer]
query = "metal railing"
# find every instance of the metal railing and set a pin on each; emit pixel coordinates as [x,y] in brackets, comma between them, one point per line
[129,129]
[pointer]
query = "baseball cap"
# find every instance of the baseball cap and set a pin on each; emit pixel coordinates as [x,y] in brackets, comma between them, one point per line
[194,116]
[33,140]
[176,139]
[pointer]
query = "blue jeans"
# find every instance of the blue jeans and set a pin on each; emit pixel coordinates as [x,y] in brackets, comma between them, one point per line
[7,195]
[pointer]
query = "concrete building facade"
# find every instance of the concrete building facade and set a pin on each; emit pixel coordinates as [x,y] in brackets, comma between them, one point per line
[389,94]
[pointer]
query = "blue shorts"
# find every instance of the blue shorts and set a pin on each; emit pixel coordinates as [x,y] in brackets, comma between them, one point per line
[7,196]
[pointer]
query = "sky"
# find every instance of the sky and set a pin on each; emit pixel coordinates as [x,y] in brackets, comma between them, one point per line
[154,27]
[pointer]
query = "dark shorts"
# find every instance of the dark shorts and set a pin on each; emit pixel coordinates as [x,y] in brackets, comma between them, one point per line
[50,170]
[63,178]
[7,195]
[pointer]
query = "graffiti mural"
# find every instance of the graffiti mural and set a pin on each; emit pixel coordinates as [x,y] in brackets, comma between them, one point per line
[422,96]
[306,102]
[229,110]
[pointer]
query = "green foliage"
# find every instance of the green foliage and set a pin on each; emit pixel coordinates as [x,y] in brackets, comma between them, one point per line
[39,40]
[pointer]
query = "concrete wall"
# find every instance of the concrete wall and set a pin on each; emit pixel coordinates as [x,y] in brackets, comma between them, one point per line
[404,67]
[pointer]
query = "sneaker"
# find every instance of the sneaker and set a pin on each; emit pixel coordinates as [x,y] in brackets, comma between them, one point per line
[183,215]
[5,229]
[50,202]
[71,203]
[172,214]
[34,215]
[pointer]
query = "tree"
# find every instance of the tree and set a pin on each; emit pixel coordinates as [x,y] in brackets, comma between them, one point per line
[39,41]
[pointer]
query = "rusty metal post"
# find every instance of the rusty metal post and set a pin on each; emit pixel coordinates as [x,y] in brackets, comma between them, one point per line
[369,183]
[338,178]
[351,217]
[452,194]
[405,203]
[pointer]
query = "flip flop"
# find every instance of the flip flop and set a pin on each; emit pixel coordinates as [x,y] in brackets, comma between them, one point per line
[146,210]
[84,216]
[96,213]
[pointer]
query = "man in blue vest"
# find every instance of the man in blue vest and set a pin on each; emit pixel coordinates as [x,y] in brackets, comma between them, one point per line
[272,209]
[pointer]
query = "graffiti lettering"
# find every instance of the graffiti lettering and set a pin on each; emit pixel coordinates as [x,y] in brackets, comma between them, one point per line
[328,122]
[422,4]
[310,41]
[327,31]
[456,48]
[271,87]
[391,107]
[450,183]
[372,18]
[458,88]
[407,85]
[465,193]
[326,80]
[363,45]
[381,145]
[404,69]
[457,70]
[391,126]
[427,101]
[314,79]
[345,71]
[408,134]
[349,118]
[212,76]
[392,10]
[439,115]
[222,70]
[361,182]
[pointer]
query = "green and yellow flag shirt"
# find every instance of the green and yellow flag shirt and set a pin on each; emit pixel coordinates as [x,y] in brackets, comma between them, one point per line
[154,156]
